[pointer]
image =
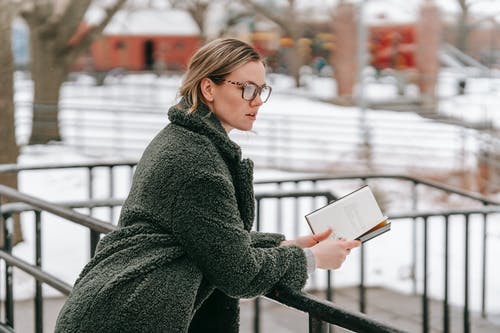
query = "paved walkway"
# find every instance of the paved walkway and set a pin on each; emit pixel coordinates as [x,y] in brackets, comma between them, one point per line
[399,310]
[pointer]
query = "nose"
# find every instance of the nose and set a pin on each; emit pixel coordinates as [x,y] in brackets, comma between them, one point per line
[257,101]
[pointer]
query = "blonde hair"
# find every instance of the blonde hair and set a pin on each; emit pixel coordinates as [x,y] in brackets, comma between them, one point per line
[215,61]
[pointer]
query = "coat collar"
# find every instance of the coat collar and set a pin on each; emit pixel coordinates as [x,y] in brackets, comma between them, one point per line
[205,122]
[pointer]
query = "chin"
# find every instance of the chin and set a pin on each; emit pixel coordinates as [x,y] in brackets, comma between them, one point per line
[247,128]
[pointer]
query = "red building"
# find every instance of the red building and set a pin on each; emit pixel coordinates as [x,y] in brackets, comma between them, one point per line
[144,40]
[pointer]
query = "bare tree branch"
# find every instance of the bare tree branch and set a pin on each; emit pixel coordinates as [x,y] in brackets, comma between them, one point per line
[71,19]
[267,12]
[233,20]
[94,32]
[197,9]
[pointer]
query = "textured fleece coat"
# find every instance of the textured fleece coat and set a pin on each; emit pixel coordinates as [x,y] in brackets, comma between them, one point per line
[184,253]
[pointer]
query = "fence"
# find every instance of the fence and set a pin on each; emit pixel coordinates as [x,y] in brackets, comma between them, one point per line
[295,190]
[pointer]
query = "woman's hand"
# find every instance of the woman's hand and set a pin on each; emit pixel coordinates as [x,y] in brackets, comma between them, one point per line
[331,253]
[308,241]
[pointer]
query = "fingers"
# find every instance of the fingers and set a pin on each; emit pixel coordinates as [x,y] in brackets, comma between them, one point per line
[322,235]
[350,244]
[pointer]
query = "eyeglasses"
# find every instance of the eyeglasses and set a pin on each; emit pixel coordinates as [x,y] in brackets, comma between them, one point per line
[251,90]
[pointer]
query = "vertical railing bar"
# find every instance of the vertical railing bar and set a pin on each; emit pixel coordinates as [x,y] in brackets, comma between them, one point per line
[94,236]
[38,263]
[279,212]
[425,299]
[9,293]
[466,277]
[2,224]
[362,289]
[256,319]
[483,268]
[446,307]
[111,194]
[297,219]
[313,278]
[329,289]
[329,273]
[414,207]
[131,175]
[316,325]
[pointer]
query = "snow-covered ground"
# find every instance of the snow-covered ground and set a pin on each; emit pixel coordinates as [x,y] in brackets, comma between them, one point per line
[65,245]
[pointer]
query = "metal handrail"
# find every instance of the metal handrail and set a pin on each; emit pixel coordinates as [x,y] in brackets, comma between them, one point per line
[68,214]
[4,168]
[366,176]
[37,273]
[328,312]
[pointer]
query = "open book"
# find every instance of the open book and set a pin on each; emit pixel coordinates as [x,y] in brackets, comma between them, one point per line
[354,216]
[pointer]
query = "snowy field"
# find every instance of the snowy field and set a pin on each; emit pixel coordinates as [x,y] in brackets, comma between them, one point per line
[65,245]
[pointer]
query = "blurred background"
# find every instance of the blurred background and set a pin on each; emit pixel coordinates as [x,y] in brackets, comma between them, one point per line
[405,92]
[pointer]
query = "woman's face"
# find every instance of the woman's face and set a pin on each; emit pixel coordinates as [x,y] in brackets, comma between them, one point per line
[227,102]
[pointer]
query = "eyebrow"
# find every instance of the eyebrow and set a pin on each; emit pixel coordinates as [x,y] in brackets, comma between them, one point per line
[249,81]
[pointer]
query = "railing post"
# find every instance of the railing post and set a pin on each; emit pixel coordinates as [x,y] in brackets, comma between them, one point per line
[317,325]
[38,263]
[94,236]
[425,299]
[9,293]
[329,273]
[111,194]
[279,215]
[466,277]
[362,291]
[329,289]
[256,318]
[446,308]
[414,206]
[483,281]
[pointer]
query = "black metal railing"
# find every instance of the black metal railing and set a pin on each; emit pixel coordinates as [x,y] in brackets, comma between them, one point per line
[90,168]
[319,311]
[285,189]
[487,208]
[38,206]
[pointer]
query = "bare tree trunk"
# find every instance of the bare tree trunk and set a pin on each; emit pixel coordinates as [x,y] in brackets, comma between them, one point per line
[48,73]
[462,27]
[55,44]
[8,147]
[296,63]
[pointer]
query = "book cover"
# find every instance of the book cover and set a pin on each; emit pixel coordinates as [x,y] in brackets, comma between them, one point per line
[356,215]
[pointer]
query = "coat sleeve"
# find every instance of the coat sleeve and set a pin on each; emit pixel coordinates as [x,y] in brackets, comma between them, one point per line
[266,239]
[206,221]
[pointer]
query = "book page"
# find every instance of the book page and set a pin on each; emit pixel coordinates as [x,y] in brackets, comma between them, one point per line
[349,216]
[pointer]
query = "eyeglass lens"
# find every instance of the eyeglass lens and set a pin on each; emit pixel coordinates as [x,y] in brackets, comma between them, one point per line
[250,91]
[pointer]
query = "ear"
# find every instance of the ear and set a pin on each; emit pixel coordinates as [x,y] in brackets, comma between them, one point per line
[207,89]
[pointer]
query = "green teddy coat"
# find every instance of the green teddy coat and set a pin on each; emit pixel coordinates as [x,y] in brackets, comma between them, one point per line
[184,253]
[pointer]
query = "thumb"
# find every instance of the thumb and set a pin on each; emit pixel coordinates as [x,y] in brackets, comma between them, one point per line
[322,235]
[350,244]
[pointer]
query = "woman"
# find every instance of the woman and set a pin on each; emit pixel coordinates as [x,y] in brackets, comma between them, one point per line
[184,253]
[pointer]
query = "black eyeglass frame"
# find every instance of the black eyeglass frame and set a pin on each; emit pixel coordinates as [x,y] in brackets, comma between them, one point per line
[257,91]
